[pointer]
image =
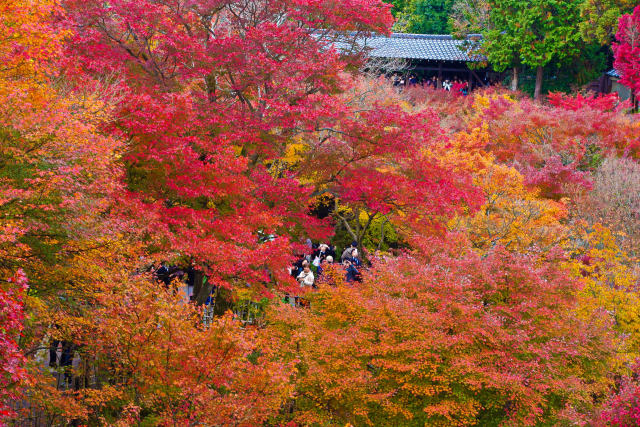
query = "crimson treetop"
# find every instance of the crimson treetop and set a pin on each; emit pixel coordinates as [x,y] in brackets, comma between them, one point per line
[214,93]
[627,50]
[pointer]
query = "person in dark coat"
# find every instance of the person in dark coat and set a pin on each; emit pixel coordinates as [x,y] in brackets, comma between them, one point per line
[163,274]
[347,252]
[355,258]
[191,274]
[332,251]
[352,273]
[296,267]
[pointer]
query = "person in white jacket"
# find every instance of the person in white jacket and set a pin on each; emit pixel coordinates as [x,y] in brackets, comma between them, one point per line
[305,278]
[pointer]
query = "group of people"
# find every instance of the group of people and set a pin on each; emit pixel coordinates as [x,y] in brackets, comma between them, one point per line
[449,85]
[308,266]
[306,269]
[165,274]
[399,80]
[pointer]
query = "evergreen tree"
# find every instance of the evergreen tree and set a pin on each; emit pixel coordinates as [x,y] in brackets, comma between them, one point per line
[425,17]
[532,33]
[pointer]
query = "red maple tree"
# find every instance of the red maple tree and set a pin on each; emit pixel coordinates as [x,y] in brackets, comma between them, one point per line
[214,93]
[627,50]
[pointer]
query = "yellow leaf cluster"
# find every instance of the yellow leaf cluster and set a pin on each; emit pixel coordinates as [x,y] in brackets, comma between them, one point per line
[512,216]
[610,284]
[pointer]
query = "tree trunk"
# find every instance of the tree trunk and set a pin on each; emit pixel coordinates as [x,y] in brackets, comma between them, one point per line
[203,294]
[198,281]
[382,233]
[514,80]
[539,76]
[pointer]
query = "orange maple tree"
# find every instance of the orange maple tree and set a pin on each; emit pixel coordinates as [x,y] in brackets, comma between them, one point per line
[455,340]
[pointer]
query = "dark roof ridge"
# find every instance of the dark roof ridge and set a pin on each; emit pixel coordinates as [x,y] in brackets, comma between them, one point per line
[420,36]
[428,36]
[438,47]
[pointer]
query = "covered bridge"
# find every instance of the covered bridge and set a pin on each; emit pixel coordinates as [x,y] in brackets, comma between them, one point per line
[426,56]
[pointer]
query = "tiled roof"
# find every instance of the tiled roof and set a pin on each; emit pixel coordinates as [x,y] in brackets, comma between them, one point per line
[423,46]
[613,73]
[417,46]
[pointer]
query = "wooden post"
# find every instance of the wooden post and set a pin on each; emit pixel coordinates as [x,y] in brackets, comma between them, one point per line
[469,80]
[439,75]
[480,81]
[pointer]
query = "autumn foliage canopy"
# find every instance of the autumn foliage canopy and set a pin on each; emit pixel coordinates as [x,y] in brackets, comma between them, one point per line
[499,236]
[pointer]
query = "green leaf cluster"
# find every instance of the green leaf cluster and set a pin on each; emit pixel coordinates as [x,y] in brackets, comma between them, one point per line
[425,17]
[532,33]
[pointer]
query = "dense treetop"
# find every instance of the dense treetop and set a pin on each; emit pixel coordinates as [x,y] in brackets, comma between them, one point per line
[497,281]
